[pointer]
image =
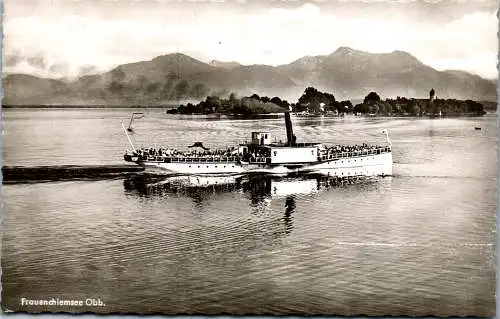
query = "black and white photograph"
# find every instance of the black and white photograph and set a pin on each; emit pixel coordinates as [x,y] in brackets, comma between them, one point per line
[241,157]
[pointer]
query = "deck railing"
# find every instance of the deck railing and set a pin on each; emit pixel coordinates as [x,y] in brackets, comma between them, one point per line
[175,159]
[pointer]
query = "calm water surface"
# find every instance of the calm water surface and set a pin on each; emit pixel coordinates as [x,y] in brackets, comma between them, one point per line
[417,243]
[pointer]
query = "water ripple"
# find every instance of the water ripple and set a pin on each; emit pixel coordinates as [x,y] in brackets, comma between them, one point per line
[418,243]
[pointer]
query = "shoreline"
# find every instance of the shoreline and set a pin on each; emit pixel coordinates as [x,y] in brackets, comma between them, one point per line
[248,116]
[88,107]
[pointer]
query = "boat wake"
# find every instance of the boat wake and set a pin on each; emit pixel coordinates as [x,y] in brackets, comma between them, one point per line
[23,174]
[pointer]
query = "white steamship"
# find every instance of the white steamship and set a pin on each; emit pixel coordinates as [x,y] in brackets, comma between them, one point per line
[262,155]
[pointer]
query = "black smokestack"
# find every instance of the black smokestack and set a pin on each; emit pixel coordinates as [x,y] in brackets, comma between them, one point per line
[289,130]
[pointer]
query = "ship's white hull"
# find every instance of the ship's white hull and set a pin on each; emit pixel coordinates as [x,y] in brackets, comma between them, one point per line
[367,165]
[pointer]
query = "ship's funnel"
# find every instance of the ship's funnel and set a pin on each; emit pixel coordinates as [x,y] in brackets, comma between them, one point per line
[289,130]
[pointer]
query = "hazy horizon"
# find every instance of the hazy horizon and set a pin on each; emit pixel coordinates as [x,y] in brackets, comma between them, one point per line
[77,37]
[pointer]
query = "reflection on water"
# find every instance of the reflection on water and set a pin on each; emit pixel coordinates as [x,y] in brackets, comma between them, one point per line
[259,189]
[289,209]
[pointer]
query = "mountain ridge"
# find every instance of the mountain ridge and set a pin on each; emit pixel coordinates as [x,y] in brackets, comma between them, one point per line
[346,73]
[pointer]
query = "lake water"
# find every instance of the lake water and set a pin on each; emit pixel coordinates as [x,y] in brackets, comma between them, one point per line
[418,243]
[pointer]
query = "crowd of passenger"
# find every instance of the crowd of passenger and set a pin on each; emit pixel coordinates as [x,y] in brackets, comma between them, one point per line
[252,154]
[355,148]
[173,152]
[257,153]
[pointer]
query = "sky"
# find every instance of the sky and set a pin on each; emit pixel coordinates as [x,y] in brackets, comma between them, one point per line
[76,37]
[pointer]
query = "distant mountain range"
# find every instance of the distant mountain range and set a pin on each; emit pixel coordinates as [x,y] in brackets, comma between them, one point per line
[346,73]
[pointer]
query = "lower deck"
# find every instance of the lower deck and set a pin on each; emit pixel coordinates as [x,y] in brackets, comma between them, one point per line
[362,164]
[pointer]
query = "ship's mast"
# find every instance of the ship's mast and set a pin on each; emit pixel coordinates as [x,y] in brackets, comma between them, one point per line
[128,137]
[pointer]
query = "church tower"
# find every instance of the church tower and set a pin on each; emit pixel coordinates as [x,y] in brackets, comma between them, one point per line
[432,95]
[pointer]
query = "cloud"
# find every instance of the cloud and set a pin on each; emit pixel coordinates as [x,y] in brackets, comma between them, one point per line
[37,61]
[274,35]
[13,59]
[466,36]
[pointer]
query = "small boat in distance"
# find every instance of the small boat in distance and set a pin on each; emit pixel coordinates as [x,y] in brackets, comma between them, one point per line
[477,128]
[263,156]
[135,115]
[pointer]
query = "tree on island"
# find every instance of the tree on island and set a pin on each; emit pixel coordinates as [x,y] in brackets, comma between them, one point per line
[312,100]
[435,107]
[372,98]
[345,107]
[233,105]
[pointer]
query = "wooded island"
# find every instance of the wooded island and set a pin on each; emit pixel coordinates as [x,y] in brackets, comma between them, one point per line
[314,102]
